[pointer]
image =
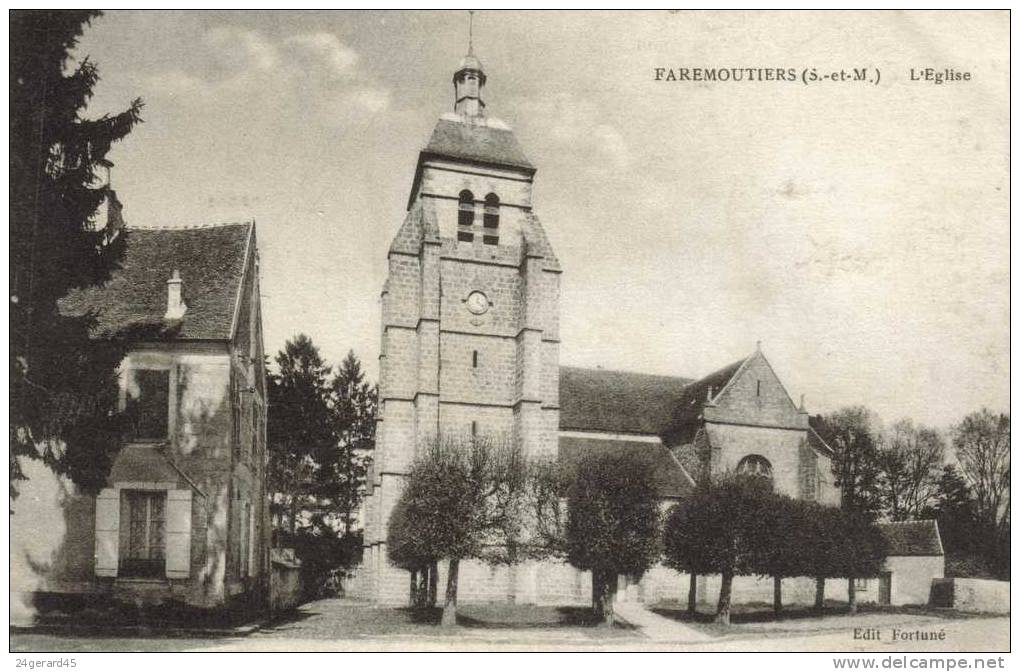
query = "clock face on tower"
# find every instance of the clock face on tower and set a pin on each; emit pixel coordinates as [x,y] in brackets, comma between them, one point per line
[477,303]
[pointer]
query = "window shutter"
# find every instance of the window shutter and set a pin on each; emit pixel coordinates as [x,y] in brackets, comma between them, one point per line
[178,534]
[107,531]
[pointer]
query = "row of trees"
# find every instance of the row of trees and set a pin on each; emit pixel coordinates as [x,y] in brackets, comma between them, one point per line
[320,432]
[480,498]
[910,472]
[737,525]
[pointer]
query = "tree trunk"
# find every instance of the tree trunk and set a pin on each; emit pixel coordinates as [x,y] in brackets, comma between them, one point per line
[596,594]
[851,593]
[607,597]
[450,607]
[423,588]
[819,593]
[777,595]
[692,595]
[413,599]
[293,517]
[433,583]
[722,612]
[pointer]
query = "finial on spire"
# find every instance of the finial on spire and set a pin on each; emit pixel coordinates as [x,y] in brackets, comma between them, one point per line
[471,32]
[757,346]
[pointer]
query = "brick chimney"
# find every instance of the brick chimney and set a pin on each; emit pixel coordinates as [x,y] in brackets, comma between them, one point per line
[174,303]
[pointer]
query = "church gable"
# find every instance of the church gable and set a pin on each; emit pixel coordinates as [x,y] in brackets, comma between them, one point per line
[754,395]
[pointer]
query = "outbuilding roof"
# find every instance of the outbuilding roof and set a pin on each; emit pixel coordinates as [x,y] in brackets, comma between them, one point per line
[211,261]
[913,537]
[670,478]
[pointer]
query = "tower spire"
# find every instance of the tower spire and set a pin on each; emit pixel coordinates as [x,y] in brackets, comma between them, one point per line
[469,80]
[471,32]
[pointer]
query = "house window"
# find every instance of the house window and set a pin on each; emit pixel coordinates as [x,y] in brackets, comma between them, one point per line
[143,533]
[474,359]
[147,404]
[861,584]
[490,220]
[466,209]
[759,388]
[755,465]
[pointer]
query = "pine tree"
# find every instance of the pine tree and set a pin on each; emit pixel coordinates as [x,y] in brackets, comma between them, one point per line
[354,410]
[299,431]
[63,400]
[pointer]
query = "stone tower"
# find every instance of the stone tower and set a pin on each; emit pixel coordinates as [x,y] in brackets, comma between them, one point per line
[470,312]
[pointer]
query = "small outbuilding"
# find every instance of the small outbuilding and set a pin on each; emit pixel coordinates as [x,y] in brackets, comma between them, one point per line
[915,558]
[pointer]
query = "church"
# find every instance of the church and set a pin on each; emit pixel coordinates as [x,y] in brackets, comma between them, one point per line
[471,346]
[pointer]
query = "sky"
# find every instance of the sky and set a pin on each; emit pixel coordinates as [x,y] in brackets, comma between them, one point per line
[859,232]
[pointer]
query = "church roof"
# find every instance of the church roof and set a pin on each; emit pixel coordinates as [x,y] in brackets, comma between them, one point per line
[479,142]
[691,402]
[912,537]
[670,478]
[617,401]
[211,261]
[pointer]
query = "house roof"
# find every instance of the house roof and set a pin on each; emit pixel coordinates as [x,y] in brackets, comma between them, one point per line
[617,401]
[913,537]
[670,478]
[690,403]
[211,261]
[482,142]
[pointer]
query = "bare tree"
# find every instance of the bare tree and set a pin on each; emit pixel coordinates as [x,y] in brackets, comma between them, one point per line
[910,459]
[981,442]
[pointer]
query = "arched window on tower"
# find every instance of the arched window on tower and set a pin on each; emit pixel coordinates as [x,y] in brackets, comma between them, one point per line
[491,220]
[465,216]
[755,465]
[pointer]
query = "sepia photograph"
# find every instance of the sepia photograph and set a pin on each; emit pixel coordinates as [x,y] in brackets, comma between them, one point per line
[510,330]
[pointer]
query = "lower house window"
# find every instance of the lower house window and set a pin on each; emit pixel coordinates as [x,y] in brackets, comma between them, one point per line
[465,236]
[143,534]
[861,584]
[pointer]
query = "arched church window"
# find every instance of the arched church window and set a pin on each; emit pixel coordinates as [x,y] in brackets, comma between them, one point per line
[491,219]
[466,209]
[755,465]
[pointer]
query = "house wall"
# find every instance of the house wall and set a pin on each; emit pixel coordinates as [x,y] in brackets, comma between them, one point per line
[54,524]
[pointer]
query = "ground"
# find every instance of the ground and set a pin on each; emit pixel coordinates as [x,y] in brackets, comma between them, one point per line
[344,625]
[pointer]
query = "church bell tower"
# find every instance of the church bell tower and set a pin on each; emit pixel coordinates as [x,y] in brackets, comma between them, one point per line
[470,316]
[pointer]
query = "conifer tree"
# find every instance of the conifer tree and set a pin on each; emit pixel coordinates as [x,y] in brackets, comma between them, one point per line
[63,399]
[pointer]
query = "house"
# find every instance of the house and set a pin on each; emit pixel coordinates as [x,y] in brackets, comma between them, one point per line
[184,516]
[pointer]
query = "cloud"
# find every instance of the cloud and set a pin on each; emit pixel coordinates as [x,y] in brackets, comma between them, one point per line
[576,123]
[243,67]
[325,50]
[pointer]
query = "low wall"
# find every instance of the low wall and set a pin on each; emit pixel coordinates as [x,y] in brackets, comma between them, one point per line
[972,595]
[285,579]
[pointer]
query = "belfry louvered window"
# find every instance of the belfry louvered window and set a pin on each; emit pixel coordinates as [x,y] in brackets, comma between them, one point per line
[490,220]
[465,216]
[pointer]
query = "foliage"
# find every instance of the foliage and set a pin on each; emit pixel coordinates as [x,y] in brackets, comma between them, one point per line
[63,403]
[613,522]
[852,433]
[982,446]
[464,498]
[322,553]
[353,408]
[720,530]
[299,431]
[909,459]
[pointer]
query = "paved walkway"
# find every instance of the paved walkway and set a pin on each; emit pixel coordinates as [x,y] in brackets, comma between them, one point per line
[658,628]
